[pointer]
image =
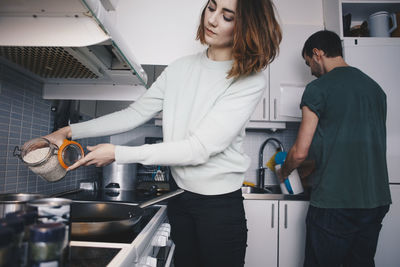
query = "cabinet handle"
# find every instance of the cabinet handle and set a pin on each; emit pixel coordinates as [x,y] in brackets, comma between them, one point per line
[272,215]
[275,108]
[286,219]
[264,116]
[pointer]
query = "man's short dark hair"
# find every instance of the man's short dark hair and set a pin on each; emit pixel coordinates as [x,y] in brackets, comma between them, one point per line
[327,41]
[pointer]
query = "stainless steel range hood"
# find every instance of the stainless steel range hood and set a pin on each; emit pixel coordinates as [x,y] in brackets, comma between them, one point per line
[71,46]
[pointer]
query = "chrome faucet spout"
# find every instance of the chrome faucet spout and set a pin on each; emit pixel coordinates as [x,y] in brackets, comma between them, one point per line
[261,168]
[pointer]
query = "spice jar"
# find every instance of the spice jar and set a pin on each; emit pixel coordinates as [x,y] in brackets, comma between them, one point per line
[46,159]
[6,242]
[46,244]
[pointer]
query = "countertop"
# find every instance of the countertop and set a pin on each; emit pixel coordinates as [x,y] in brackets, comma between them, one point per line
[275,194]
[130,196]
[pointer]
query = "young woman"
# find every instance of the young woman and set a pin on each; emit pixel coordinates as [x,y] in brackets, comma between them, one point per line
[206,99]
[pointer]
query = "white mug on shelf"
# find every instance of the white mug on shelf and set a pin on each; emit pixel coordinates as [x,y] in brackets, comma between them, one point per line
[378,24]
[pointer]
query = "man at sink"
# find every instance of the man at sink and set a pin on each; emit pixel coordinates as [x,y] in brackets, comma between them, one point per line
[343,126]
[206,100]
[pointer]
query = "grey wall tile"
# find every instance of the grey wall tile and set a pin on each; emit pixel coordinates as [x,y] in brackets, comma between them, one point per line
[25,115]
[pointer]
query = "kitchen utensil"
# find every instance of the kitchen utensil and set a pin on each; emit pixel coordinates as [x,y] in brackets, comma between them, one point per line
[94,219]
[46,159]
[119,176]
[378,24]
[292,184]
[14,202]
[55,210]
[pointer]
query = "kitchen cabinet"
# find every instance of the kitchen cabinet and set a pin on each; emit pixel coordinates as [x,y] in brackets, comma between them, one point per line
[276,232]
[292,232]
[262,235]
[387,253]
[288,74]
[287,77]
[334,10]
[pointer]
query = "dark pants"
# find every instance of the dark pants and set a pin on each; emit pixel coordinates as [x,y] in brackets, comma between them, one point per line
[208,231]
[342,237]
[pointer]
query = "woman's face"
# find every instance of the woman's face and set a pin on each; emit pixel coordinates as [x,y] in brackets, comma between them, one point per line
[219,22]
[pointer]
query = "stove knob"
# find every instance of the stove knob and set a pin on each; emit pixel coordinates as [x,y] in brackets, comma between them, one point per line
[149,261]
[160,240]
[166,225]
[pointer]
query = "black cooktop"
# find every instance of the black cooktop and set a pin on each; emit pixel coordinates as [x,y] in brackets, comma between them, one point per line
[91,256]
[126,236]
[130,196]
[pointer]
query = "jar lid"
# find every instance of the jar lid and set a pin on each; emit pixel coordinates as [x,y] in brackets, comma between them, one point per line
[47,232]
[6,236]
[29,217]
[69,153]
[16,224]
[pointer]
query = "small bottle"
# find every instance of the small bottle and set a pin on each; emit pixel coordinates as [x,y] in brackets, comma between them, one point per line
[17,225]
[46,244]
[292,184]
[29,218]
[6,246]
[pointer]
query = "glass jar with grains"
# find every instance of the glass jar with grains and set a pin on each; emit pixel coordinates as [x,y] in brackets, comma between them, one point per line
[46,159]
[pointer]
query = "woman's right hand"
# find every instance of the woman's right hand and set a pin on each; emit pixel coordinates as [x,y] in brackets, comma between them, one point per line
[58,136]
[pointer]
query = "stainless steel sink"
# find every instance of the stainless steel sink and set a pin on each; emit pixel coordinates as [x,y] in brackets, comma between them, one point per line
[257,190]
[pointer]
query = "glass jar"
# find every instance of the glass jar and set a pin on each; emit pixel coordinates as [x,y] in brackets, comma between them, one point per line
[46,159]
[46,244]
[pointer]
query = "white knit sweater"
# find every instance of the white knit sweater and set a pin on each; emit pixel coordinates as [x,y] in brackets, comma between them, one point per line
[204,118]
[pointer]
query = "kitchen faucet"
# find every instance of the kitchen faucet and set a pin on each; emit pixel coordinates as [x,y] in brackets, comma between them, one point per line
[261,168]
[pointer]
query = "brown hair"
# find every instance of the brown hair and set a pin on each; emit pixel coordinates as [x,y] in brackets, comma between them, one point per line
[256,39]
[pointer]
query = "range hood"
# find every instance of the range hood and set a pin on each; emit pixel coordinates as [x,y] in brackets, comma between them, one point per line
[71,46]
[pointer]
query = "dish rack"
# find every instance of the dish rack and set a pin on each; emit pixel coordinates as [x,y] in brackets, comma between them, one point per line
[150,175]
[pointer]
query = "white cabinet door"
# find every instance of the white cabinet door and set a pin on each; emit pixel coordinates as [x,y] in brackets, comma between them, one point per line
[262,111]
[262,235]
[387,253]
[292,233]
[289,74]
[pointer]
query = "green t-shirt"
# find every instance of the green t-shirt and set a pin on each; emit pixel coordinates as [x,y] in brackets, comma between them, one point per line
[349,144]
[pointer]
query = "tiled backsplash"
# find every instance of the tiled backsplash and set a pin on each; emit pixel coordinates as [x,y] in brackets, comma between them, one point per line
[25,115]
[253,142]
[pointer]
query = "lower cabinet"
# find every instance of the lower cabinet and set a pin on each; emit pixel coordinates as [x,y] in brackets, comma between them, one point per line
[387,253]
[276,232]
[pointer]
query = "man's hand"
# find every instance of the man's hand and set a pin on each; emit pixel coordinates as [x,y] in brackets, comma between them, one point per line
[100,155]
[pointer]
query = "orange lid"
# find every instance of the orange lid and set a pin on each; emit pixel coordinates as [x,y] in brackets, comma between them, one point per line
[69,153]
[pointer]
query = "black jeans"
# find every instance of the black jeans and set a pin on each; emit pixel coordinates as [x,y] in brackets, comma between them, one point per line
[208,231]
[342,237]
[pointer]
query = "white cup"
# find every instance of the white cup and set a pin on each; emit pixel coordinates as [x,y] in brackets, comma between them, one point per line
[292,185]
[378,24]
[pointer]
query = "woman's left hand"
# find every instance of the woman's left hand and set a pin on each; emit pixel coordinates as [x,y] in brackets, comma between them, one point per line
[100,155]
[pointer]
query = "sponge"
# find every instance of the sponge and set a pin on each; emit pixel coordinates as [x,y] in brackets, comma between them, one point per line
[271,162]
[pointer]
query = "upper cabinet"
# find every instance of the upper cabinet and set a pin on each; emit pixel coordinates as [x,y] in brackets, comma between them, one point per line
[366,18]
[288,74]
